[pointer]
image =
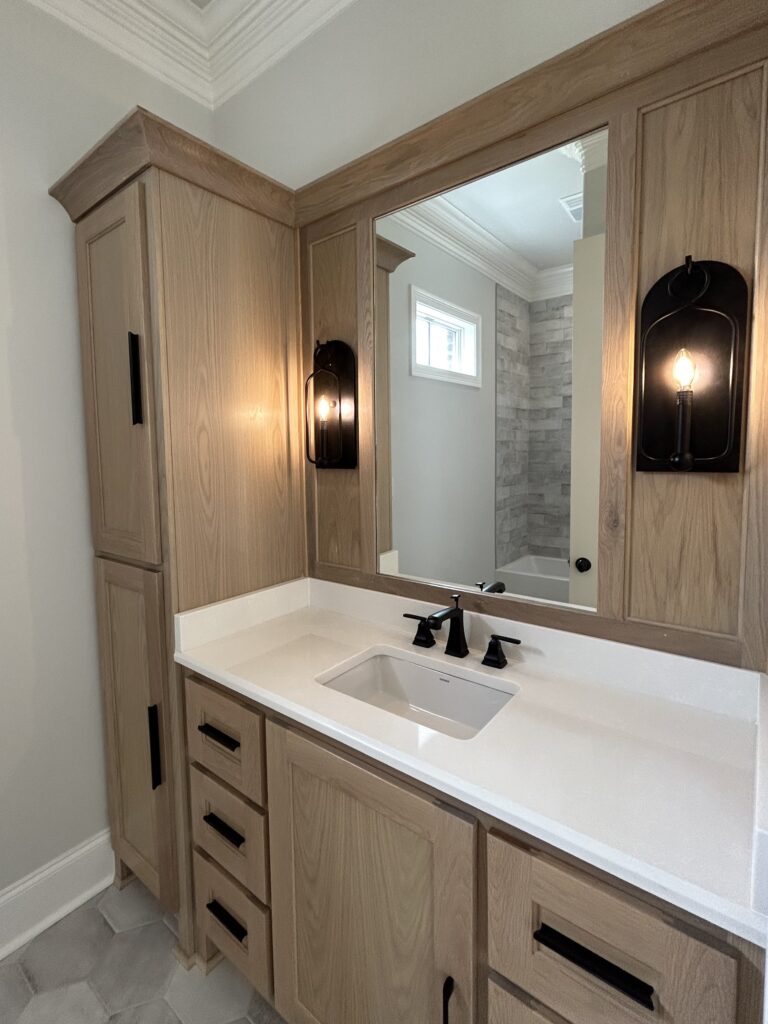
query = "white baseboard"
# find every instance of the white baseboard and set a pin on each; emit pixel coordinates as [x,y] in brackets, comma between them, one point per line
[34,903]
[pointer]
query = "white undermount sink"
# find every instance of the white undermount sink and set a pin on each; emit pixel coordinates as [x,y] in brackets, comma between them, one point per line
[451,700]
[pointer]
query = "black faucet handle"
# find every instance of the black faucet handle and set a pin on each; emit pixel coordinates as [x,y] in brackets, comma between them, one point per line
[423,636]
[494,656]
[456,598]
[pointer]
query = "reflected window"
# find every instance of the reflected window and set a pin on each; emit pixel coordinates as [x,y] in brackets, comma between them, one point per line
[445,340]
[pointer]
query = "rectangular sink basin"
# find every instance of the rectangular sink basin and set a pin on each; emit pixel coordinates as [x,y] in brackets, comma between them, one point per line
[457,702]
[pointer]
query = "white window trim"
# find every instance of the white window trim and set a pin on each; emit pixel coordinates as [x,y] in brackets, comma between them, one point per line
[450,376]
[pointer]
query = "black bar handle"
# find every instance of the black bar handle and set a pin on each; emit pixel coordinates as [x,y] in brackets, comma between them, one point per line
[222,738]
[134,366]
[448,987]
[616,977]
[153,723]
[226,919]
[225,830]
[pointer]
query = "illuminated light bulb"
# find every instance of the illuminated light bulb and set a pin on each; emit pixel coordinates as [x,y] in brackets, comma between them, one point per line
[323,409]
[684,370]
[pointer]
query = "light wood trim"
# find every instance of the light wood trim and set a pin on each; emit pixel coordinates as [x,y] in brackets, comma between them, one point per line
[361,812]
[694,983]
[242,768]
[229,343]
[253,956]
[143,140]
[754,596]
[506,1008]
[122,457]
[618,363]
[129,604]
[640,46]
[246,863]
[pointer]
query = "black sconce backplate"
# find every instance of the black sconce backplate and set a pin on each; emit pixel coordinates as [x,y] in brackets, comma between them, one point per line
[334,444]
[702,307]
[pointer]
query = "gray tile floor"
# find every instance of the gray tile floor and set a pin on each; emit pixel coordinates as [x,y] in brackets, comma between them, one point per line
[112,960]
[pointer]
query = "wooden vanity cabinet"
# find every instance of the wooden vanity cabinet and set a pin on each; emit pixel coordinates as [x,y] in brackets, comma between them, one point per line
[186,265]
[373,893]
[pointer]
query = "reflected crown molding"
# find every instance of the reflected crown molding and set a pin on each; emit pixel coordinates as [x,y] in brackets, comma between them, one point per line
[443,224]
[210,53]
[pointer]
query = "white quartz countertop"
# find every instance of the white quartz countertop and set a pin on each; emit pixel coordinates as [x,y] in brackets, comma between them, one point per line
[658,792]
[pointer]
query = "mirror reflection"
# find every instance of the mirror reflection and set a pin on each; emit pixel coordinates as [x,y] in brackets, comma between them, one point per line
[489,303]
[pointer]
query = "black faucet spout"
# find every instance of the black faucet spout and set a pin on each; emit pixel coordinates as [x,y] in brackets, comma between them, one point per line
[456,647]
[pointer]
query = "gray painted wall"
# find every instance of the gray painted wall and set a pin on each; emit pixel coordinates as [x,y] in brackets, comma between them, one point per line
[443,467]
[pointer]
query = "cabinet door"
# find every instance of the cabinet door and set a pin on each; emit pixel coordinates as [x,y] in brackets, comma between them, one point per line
[133,670]
[372,894]
[117,380]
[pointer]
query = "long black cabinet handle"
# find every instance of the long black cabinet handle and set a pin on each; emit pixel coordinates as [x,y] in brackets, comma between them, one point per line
[222,738]
[448,987]
[634,988]
[226,919]
[134,366]
[225,830]
[153,723]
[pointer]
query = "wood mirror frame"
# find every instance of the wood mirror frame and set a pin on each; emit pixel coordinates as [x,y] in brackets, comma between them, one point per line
[683,559]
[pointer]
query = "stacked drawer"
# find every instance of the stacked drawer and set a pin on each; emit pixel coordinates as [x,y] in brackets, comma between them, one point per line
[592,954]
[225,741]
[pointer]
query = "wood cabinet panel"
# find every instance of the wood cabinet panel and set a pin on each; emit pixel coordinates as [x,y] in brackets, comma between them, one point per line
[504,1008]
[338,527]
[130,607]
[231,378]
[372,893]
[700,164]
[692,983]
[226,738]
[113,300]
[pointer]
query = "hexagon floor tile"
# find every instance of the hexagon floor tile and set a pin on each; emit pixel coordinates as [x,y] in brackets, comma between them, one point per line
[130,907]
[15,992]
[135,968]
[220,997]
[74,1004]
[67,951]
[158,1012]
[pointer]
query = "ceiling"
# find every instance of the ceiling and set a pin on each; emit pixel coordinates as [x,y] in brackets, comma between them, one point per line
[209,49]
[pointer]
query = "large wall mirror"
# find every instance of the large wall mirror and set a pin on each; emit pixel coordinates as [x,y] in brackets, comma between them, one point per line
[489,309]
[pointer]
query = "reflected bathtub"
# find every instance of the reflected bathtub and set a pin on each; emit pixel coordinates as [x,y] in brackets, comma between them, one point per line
[537,576]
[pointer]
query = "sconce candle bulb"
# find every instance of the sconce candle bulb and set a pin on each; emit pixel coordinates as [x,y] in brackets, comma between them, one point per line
[684,370]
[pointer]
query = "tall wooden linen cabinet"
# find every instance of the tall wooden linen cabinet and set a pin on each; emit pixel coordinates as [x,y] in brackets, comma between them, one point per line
[186,266]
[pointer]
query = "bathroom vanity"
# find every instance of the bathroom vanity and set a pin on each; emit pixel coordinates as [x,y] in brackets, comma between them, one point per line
[558,856]
[372,831]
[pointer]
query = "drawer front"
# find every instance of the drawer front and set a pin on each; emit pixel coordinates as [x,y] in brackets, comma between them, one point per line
[504,1008]
[594,955]
[226,738]
[232,831]
[238,926]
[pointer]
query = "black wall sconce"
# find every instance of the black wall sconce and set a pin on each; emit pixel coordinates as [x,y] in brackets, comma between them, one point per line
[691,364]
[330,407]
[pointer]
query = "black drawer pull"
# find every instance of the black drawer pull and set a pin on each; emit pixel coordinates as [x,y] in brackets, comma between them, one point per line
[225,830]
[448,987]
[222,738]
[153,725]
[134,368]
[226,919]
[635,989]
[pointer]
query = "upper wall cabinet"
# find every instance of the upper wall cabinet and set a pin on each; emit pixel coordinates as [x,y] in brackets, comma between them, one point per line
[117,378]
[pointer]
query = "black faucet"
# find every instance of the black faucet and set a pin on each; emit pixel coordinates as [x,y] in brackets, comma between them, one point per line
[457,642]
[491,588]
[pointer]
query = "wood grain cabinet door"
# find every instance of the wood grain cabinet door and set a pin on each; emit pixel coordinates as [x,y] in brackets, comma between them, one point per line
[372,894]
[117,378]
[132,650]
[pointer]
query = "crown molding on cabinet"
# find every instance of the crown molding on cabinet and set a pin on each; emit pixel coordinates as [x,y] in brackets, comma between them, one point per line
[443,224]
[209,54]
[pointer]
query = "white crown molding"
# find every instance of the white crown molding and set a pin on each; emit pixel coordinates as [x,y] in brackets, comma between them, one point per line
[208,54]
[443,224]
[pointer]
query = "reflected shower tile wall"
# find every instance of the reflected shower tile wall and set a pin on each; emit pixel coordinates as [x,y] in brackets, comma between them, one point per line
[512,399]
[549,428]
